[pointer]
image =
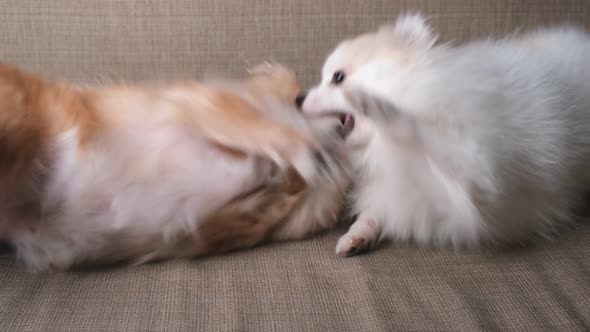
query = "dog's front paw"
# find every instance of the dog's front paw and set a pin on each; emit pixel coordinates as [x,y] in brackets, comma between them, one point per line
[350,245]
[273,70]
[277,80]
[362,236]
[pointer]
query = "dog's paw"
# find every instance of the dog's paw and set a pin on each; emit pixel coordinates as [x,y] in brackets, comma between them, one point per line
[40,262]
[272,69]
[400,126]
[277,80]
[351,245]
[362,236]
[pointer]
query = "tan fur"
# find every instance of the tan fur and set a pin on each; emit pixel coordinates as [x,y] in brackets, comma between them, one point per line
[251,219]
[236,122]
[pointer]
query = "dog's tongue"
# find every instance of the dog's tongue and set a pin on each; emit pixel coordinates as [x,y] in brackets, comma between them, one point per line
[347,121]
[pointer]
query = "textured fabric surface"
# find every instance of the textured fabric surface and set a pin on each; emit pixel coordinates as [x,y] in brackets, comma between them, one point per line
[293,286]
[153,39]
[302,286]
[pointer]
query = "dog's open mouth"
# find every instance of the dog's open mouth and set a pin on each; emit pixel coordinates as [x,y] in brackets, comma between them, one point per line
[346,125]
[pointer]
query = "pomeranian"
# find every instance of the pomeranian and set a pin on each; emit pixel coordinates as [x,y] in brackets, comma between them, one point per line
[462,146]
[95,175]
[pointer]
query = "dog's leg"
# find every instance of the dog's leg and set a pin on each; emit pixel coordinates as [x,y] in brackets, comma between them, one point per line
[363,235]
[401,127]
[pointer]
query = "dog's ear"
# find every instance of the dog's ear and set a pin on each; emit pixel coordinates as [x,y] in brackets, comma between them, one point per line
[412,29]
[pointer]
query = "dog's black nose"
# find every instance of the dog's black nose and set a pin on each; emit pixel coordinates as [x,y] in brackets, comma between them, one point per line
[299,100]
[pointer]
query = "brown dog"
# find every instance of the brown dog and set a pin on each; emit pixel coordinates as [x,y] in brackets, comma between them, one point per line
[104,174]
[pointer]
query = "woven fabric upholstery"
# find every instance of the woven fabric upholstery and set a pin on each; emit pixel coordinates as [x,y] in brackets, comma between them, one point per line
[299,286]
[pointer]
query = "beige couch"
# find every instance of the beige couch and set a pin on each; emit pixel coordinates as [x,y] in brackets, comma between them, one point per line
[294,286]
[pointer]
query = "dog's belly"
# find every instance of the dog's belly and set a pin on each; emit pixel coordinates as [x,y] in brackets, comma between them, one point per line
[127,196]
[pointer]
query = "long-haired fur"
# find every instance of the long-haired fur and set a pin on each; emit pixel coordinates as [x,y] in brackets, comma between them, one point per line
[94,175]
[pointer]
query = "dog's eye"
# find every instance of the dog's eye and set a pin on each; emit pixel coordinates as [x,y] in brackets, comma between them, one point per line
[338,77]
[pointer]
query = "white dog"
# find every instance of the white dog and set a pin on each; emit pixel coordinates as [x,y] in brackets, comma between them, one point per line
[462,146]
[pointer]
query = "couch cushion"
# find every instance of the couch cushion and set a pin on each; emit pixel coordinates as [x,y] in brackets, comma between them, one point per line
[298,286]
[303,286]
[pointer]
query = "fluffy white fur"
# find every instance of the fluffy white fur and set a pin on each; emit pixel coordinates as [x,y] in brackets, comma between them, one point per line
[466,145]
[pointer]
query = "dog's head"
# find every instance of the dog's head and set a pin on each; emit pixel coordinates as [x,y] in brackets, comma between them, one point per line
[378,63]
